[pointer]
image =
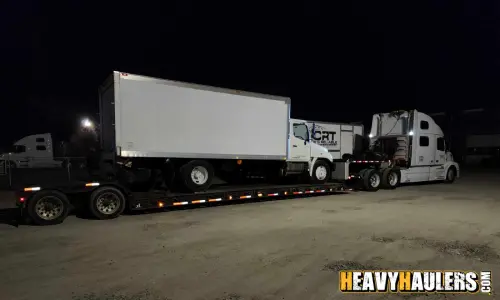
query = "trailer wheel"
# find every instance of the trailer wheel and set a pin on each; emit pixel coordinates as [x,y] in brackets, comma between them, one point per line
[321,172]
[48,207]
[391,178]
[371,180]
[197,175]
[107,202]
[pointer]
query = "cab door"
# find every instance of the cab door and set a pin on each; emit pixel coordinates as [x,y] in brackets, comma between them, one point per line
[424,145]
[437,164]
[300,146]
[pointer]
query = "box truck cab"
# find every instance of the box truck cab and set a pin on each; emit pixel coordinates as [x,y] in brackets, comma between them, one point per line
[32,151]
[414,144]
[302,150]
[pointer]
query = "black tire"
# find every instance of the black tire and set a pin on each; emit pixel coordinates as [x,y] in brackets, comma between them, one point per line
[40,215]
[367,176]
[391,178]
[106,202]
[326,167]
[204,167]
[360,185]
[451,175]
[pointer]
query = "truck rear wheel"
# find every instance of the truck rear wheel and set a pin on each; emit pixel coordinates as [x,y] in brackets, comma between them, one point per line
[391,178]
[197,175]
[321,172]
[371,180]
[107,202]
[48,207]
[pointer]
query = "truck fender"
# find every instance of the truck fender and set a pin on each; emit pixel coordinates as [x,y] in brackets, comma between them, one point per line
[313,162]
[449,165]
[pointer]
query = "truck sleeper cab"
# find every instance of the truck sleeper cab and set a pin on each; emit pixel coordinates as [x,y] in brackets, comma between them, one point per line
[32,151]
[411,148]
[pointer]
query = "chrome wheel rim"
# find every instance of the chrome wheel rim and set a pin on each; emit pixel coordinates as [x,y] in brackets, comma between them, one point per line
[321,173]
[374,180]
[49,208]
[108,203]
[393,179]
[199,175]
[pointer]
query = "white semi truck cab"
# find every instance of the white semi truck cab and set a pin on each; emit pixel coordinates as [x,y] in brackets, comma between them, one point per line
[404,147]
[407,147]
[32,151]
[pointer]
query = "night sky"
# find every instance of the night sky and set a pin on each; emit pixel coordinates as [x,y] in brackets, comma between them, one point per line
[340,61]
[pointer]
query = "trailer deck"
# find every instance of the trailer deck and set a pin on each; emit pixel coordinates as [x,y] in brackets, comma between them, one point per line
[158,199]
[78,192]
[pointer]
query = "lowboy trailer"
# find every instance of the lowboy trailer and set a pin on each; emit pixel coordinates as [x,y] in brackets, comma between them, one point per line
[48,205]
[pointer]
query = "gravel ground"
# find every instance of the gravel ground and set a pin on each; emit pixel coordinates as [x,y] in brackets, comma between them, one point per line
[289,249]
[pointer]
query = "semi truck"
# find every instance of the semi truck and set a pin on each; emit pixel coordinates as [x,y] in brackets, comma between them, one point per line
[403,147]
[168,143]
[32,151]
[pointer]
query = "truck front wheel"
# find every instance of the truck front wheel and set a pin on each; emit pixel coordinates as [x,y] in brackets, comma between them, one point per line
[48,207]
[451,175]
[321,172]
[197,175]
[107,202]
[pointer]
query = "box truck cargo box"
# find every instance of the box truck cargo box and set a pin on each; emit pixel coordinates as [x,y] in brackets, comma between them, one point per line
[337,138]
[148,117]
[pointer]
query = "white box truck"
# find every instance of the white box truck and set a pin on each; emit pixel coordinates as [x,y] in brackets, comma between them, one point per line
[194,132]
